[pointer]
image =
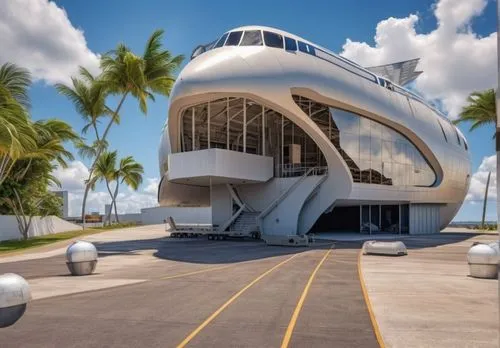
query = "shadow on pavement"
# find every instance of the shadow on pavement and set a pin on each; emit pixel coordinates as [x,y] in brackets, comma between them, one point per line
[203,251]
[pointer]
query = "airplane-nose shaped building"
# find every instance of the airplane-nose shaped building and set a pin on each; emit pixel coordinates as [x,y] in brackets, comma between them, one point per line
[274,133]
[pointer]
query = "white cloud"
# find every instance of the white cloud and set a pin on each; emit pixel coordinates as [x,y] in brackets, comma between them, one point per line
[479,178]
[72,180]
[152,186]
[455,60]
[37,35]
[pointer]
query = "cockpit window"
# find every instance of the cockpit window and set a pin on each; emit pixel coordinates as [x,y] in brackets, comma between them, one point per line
[221,41]
[303,47]
[273,39]
[234,38]
[251,38]
[290,44]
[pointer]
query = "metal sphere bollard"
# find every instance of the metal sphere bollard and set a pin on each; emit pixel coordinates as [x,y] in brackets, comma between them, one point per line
[483,260]
[81,258]
[14,295]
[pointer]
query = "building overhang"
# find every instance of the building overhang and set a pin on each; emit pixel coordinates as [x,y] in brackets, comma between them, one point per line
[218,166]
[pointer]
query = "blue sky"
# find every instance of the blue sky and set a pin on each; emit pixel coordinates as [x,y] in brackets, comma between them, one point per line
[189,23]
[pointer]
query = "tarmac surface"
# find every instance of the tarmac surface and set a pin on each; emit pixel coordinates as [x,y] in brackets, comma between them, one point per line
[152,291]
[162,292]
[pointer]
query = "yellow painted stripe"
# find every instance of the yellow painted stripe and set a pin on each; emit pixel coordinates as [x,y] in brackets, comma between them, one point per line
[298,308]
[231,300]
[194,272]
[376,329]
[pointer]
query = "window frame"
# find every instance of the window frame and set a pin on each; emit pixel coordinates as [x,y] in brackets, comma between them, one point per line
[252,31]
[239,39]
[223,38]
[289,39]
[264,32]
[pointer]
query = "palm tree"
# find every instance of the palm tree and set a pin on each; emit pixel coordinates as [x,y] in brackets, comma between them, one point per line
[105,170]
[481,109]
[88,96]
[16,132]
[129,172]
[125,73]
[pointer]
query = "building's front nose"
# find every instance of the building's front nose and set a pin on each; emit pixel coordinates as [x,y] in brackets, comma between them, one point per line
[212,71]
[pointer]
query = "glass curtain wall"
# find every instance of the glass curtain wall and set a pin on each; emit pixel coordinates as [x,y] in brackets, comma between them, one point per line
[243,125]
[374,153]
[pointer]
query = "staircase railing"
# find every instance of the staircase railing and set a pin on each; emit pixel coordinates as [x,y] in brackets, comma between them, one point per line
[228,223]
[277,201]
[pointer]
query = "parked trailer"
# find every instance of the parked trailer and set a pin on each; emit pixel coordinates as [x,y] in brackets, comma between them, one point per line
[202,230]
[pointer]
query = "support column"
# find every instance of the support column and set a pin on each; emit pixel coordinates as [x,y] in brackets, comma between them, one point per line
[228,120]
[399,207]
[263,130]
[282,142]
[244,125]
[208,125]
[193,146]
[370,218]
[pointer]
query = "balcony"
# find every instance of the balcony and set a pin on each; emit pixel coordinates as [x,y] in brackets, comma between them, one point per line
[218,166]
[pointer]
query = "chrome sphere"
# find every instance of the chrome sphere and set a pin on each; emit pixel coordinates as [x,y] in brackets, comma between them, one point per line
[483,260]
[14,295]
[81,258]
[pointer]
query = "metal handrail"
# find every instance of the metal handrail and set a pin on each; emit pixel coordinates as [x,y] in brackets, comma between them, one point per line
[275,203]
[228,223]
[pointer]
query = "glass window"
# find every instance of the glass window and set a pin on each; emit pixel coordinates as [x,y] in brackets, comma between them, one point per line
[234,38]
[221,41]
[303,47]
[290,44]
[251,38]
[273,39]
[385,156]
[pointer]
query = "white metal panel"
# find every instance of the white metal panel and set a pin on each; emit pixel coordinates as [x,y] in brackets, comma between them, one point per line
[424,218]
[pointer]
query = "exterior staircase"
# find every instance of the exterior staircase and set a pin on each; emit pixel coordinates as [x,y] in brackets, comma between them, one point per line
[245,224]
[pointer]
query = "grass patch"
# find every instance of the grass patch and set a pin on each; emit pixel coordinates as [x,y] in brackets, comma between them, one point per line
[8,246]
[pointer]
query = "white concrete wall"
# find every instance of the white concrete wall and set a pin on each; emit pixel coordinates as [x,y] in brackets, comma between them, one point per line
[222,207]
[219,163]
[181,215]
[39,226]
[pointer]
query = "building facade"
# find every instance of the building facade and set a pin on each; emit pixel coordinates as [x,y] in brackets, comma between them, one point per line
[272,131]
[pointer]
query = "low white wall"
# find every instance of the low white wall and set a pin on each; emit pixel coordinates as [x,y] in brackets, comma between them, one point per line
[181,215]
[39,226]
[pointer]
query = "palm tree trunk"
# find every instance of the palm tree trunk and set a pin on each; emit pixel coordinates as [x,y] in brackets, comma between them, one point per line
[111,207]
[485,199]
[99,151]
[114,199]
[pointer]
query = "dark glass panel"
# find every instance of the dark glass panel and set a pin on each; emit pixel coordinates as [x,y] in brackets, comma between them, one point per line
[234,38]
[290,44]
[273,39]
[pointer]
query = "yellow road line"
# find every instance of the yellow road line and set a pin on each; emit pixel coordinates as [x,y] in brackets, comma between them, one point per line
[298,308]
[376,329]
[194,272]
[231,300]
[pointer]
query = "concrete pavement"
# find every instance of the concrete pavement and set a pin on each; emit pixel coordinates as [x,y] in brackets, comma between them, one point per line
[426,299]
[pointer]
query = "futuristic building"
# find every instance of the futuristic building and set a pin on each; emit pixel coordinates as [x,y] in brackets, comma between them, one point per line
[274,132]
